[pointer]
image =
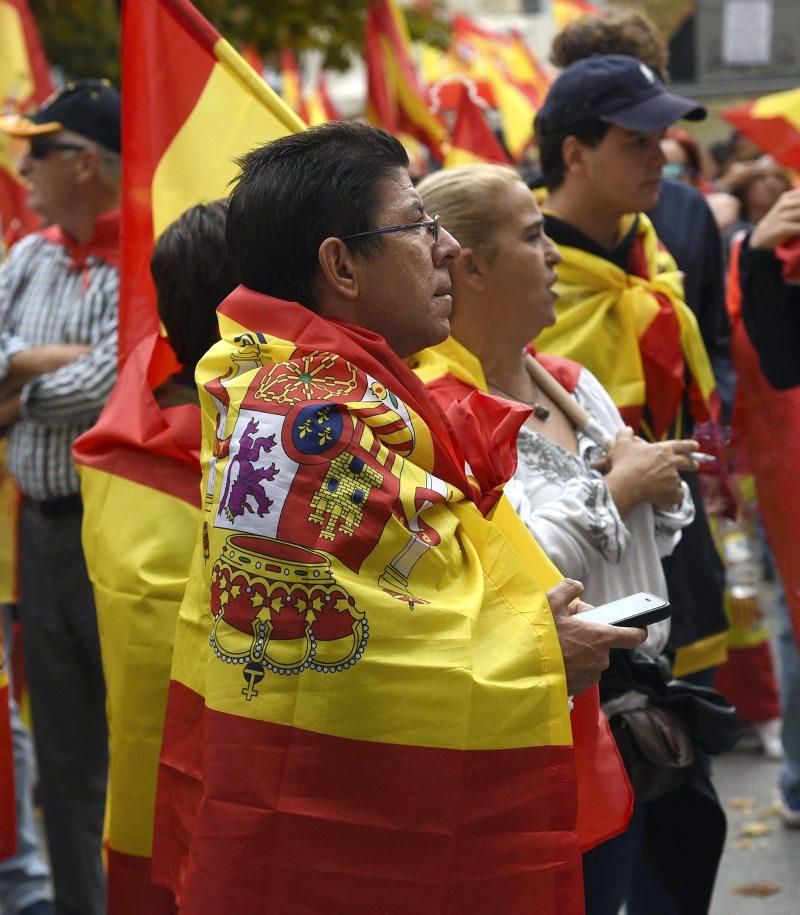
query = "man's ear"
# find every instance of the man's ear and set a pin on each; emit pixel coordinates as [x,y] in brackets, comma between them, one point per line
[469,270]
[337,268]
[88,164]
[573,153]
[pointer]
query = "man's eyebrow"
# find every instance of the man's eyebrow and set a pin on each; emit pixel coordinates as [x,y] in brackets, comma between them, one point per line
[416,205]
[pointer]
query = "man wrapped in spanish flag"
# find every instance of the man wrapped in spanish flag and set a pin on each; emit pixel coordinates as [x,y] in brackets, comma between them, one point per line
[368,708]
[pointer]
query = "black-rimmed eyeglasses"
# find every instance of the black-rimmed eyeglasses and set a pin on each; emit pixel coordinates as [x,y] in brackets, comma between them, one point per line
[432,225]
[41,149]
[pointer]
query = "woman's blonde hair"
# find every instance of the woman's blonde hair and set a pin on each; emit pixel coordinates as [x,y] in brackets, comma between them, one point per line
[466,200]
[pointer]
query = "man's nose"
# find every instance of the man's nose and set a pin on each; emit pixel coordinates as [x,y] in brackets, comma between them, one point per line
[447,247]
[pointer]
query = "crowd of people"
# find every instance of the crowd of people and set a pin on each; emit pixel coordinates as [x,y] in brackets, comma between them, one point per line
[330,655]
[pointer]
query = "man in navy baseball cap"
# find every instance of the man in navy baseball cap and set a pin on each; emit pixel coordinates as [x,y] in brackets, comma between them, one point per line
[616,89]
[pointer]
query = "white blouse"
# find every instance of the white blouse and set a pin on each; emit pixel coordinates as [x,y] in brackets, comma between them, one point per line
[568,508]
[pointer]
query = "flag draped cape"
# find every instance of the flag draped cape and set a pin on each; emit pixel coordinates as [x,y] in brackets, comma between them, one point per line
[368,705]
[766,430]
[140,483]
[139,465]
[605,800]
[634,332]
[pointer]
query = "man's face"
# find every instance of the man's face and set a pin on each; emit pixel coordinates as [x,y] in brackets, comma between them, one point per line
[624,169]
[53,175]
[404,289]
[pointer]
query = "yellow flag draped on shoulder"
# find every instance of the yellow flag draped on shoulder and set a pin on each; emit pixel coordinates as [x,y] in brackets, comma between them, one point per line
[365,650]
[634,332]
[139,466]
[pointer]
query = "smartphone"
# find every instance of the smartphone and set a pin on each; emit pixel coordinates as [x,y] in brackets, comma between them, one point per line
[640,609]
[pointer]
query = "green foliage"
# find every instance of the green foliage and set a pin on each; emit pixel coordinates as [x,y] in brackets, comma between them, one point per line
[81,37]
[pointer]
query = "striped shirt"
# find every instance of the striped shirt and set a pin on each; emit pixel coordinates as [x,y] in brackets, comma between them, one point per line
[45,298]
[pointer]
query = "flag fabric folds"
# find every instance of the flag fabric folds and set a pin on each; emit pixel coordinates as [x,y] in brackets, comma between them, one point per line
[518,80]
[566,11]
[366,656]
[291,83]
[24,84]
[605,799]
[186,82]
[471,139]
[634,332]
[397,99]
[139,465]
[773,123]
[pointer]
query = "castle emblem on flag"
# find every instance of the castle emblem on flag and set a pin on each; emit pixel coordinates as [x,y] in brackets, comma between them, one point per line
[338,505]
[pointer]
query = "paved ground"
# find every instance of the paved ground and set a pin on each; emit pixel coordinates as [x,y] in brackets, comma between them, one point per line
[743,779]
[746,783]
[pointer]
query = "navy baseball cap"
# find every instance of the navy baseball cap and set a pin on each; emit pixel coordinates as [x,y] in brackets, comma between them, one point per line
[90,107]
[614,88]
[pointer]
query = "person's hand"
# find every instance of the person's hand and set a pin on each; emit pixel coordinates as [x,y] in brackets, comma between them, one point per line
[584,645]
[638,471]
[10,408]
[781,222]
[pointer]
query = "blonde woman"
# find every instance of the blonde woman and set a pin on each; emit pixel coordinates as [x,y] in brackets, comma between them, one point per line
[603,518]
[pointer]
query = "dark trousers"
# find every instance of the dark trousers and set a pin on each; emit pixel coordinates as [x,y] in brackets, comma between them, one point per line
[67,692]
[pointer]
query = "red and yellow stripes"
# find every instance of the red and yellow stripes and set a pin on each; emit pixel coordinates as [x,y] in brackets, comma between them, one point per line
[140,464]
[472,140]
[566,11]
[24,84]
[182,81]
[634,332]
[432,770]
[772,122]
[397,100]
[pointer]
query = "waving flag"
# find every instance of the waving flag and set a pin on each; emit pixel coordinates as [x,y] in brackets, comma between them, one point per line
[140,464]
[292,84]
[319,104]
[24,84]
[472,140]
[366,658]
[519,82]
[397,99]
[773,123]
[566,11]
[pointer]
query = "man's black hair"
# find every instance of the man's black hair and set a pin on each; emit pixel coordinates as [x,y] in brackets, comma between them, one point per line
[297,191]
[193,274]
[551,156]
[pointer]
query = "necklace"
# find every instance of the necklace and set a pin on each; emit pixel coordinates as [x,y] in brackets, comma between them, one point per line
[539,411]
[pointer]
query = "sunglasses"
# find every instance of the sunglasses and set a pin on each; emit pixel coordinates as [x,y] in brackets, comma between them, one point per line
[41,149]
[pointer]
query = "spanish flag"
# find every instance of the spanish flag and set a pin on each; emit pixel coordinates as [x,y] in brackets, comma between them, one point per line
[397,99]
[139,465]
[366,679]
[24,84]
[772,122]
[519,82]
[472,140]
[605,799]
[292,84]
[566,11]
[633,330]
[319,104]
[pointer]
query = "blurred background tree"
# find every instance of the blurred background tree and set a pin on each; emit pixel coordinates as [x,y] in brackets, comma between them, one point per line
[81,37]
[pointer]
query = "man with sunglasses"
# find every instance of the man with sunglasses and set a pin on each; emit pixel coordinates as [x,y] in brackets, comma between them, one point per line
[58,322]
[368,706]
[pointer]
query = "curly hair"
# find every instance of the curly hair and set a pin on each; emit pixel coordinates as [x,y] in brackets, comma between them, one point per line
[614,31]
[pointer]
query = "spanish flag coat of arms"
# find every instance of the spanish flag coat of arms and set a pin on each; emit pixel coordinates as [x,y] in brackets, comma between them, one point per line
[368,705]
